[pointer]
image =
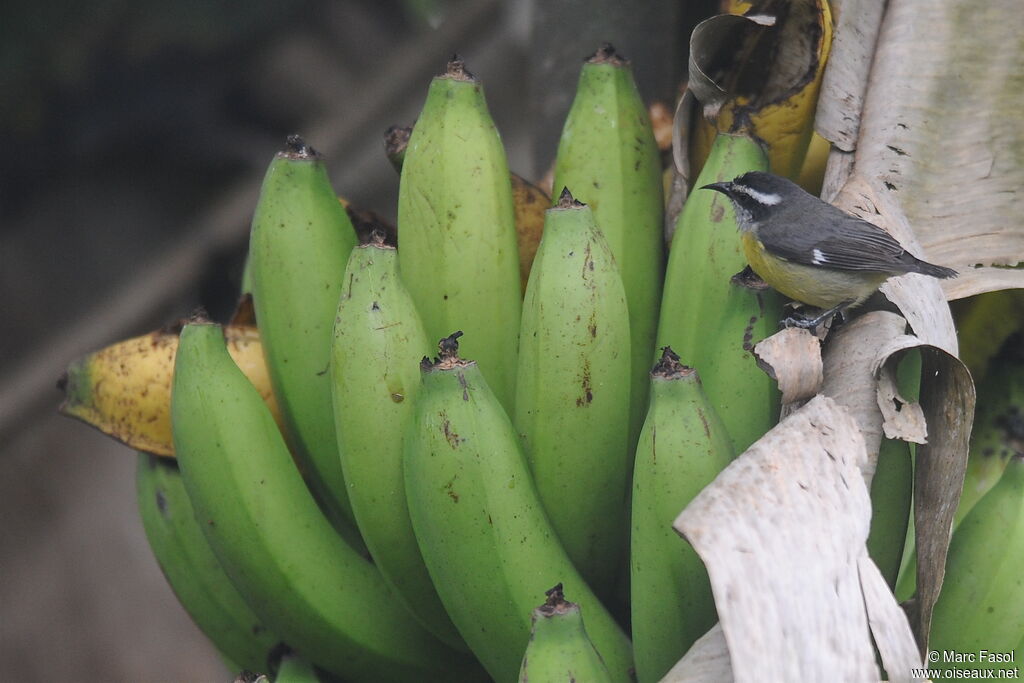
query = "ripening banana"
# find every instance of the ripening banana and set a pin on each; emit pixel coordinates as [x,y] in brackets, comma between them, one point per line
[560,650]
[488,545]
[682,448]
[708,319]
[378,343]
[124,390]
[608,158]
[277,547]
[300,241]
[529,201]
[780,110]
[573,393]
[193,571]
[981,606]
[458,253]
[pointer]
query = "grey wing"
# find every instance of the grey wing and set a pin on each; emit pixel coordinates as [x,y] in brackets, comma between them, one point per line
[848,243]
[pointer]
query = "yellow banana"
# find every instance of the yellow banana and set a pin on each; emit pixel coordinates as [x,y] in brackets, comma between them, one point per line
[124,390]
[781,112]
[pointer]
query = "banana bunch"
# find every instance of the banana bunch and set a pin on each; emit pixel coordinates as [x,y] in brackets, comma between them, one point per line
[341,503]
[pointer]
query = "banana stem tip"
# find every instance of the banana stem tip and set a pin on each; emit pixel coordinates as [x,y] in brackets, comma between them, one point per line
[669,366]
[296,147]
[457,69]
[567,201]
[447,355]
[555,603]
[607,54]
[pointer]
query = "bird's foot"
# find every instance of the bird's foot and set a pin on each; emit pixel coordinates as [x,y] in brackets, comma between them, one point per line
[811,324]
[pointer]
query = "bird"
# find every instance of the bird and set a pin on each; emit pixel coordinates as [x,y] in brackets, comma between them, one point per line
[811,251]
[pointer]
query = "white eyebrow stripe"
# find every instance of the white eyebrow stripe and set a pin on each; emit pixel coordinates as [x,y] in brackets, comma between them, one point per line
[818,257]
[768,199]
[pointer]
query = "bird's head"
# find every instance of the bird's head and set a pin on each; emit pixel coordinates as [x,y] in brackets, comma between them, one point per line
[756,195]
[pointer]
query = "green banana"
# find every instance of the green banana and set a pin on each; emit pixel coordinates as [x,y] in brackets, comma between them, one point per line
[378,342]
[998,431]
[710,321]
[560,650]
[300,241]
[891,495]
[573,391]
[488,545]
[682,448]
[459,256]
[981,606]
[609,159]
[528,201]
[306,584]
[997,436]
[193,571]
[294,669]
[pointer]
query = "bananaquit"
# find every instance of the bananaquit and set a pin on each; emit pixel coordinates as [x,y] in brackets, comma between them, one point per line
[811,251]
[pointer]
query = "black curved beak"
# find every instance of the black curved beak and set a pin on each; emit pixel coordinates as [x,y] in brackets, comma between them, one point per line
[719,187]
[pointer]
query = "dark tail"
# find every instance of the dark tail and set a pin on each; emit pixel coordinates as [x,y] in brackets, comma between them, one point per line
[935,271]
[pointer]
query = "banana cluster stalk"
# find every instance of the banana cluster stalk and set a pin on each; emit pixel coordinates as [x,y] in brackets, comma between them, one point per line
[609,159]
[124,390]
[279,550]
[193,571]
[300,242]
[488,545]
[560,650]
[378,342]
[459,256]
[573,393]
[705,317]
[981,606]
[682,448]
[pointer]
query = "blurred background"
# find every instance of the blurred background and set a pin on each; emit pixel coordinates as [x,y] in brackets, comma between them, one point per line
[135,136]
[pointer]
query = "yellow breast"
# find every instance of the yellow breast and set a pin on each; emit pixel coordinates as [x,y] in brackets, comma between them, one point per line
[813,285]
